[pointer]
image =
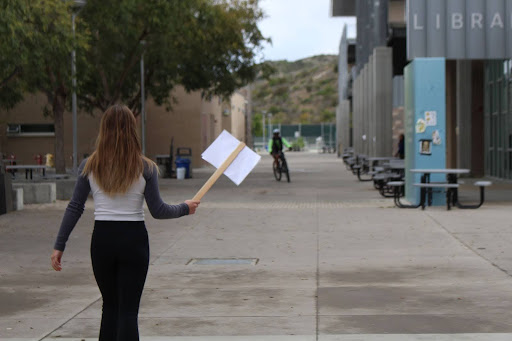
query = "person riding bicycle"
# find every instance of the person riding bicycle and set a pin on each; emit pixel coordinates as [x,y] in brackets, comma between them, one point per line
[275,145]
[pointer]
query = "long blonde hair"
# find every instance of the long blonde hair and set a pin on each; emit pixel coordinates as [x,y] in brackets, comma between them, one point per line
[117,161]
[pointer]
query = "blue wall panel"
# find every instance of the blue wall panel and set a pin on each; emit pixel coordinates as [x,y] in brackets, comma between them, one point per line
[425,91]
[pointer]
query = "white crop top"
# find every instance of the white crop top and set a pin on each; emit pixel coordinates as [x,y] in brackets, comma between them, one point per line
[125,207]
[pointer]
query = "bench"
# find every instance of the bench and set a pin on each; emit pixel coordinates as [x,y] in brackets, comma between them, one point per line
[346,156]
[482,185]
[380,180]
[360,170]
[426,189]
[377,170]
[360,166]
[398,191]
[37,192]
[28,169]
[350,162]
[384,176]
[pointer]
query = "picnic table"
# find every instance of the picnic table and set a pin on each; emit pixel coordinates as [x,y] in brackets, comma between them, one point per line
[382,158]
[360,165]
[397,166]
[392,170]
[426,186]
[28,169]
[451,185]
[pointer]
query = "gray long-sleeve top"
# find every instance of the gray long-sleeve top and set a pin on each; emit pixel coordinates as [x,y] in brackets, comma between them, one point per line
[75,208]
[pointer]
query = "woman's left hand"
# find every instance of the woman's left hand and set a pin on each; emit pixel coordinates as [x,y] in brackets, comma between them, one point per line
[192,205]
[56,259]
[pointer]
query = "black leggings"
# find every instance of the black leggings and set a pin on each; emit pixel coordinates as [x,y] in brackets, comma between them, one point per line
[120,260]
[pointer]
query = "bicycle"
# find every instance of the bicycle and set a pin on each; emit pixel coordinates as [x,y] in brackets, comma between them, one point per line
[280,166]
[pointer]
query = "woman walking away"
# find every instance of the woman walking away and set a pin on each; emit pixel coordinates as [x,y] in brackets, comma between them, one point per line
[120,178]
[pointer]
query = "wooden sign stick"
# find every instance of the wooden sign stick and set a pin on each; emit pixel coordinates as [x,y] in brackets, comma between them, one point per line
[215,176]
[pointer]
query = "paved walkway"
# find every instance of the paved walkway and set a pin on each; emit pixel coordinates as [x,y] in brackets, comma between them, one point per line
[334,261]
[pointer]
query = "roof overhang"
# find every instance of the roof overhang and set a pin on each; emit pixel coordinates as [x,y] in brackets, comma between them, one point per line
[343,8]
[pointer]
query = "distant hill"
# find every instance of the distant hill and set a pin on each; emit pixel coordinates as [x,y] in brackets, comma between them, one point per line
[304,91]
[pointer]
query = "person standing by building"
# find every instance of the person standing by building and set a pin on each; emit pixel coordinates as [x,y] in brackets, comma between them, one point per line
[120,178]
[401,147]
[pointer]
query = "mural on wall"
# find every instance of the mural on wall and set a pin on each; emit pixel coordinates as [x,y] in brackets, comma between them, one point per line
[420,126]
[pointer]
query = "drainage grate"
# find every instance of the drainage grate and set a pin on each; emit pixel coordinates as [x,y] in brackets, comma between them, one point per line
[223,261]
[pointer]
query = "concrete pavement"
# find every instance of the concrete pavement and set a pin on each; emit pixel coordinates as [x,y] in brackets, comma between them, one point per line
[334,261]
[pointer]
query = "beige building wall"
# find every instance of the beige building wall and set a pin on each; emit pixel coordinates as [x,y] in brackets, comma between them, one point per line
[238,116]
[26,147]
[211,121]
[233,116]
[226,116]
[193,122]
[183,124]
[396,12]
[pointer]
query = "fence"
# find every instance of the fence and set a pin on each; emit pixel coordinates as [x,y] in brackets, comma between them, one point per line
[309,133]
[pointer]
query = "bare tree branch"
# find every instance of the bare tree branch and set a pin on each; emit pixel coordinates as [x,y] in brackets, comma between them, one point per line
[132,60]
[92,102]
[104,81]
[14,74]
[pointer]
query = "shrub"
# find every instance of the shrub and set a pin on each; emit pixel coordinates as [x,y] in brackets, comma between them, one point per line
[298,144]
[327,91]
[277,81]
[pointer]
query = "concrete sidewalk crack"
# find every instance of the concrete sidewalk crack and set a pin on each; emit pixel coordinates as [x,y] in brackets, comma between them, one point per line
[72,317]
[467,246]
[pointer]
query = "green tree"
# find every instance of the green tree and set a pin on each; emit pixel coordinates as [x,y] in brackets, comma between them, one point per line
[305,117]
[327,115]
[207,45]
[13,52]
[257,125]
[36,50]
[280,117]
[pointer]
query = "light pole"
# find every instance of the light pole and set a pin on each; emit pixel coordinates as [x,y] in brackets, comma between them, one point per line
[79,4]
[269,126]
[263,137]
[142,99]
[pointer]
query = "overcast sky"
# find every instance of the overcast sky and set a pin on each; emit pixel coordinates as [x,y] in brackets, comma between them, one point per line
[301,28]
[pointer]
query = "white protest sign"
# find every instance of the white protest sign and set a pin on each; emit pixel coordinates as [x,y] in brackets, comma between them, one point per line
[231,157]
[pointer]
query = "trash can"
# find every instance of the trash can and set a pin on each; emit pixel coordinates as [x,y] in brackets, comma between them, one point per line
[184,163]
[180,173]
[185,153]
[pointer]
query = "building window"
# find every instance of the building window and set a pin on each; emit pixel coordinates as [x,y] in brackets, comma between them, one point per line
[498,119]
[30,129]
